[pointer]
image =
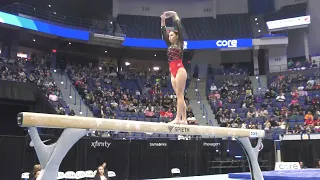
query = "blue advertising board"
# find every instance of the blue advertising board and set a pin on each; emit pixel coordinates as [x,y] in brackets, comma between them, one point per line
[129,42]
[191,44]
[43,27]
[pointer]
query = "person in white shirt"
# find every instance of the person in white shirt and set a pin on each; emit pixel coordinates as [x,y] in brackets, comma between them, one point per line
[137,92]
[281,97]
[213,87]
[53,97]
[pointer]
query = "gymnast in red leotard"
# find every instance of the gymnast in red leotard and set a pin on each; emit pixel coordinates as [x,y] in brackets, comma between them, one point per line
[174,41]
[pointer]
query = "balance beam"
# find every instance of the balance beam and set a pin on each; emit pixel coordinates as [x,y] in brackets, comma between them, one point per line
[75,127]
[27,119]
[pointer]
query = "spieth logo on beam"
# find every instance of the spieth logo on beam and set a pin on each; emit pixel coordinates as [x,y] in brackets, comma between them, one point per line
[178,129]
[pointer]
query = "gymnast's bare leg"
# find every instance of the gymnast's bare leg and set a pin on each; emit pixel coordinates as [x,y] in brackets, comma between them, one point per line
[179,84]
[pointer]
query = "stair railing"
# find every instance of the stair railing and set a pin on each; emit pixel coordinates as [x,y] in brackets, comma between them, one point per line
[73,91]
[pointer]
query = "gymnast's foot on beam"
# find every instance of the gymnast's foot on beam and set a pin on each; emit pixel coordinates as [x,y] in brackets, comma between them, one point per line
[177,121]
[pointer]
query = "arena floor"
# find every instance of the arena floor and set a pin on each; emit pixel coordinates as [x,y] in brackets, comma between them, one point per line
[211,177]
[303,174]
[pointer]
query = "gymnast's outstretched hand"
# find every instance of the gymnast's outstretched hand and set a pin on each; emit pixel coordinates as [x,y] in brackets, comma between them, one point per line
[169,14]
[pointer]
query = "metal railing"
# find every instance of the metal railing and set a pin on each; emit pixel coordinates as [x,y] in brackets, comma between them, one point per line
[202,106]
[278,68]
[73,93]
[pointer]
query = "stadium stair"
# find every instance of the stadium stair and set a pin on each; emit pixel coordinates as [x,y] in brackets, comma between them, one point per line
[194,98]
[75,101]
[258,23]
[260,82]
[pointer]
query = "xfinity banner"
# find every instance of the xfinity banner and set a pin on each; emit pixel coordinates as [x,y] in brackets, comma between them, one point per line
[211,144]
[203,44]
[100,143]
[158,144]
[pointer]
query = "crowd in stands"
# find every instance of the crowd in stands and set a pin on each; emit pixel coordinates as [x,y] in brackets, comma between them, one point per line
[301,65]
[142,96]
[34,71]
[291,104]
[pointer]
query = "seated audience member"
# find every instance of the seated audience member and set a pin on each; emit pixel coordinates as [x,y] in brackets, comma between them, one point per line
[301,91]
[302,165]
[264,112]
[266,103]
[318,164]
[290,64]
[100,175]
[294,103]
[308,116]
[281,97]
[300,77]
[308,100]
[317,127]
[244,125]
[169,114]
[283,124]
[273,122]
[53,97]
[267,125]
[316,100]
[251,125]
[36,168]
[213,87]
[268,94]
[314,64]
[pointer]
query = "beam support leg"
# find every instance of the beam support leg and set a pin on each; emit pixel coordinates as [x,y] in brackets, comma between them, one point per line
[252,155]
[51,156]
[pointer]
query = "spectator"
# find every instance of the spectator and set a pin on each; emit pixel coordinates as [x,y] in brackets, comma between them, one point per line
[100,175]
[281,97]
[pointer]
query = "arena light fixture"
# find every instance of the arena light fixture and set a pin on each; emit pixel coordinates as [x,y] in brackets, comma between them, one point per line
[105,51]
[54,70]
[156,68]
[70,97]
[100,68]
[259,30]
[127,63]
[80,112]
[61,82]
[49,5]
[34,40]
[256,19]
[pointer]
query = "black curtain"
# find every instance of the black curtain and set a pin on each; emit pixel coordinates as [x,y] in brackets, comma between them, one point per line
[305,151]
[11,157]
[128,159]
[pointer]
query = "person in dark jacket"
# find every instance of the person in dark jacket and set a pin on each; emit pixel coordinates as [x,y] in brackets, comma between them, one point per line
[100,175]
[104,165]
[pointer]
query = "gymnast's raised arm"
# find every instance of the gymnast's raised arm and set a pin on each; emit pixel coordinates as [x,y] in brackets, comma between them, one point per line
[178,27]
[164,33]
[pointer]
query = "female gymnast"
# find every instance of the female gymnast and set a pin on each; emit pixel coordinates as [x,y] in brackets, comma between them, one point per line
[174,41]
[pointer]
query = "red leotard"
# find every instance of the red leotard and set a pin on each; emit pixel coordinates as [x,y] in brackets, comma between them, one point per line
[175,52]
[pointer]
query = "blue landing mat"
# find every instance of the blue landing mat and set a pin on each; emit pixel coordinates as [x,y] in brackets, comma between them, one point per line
[303,174]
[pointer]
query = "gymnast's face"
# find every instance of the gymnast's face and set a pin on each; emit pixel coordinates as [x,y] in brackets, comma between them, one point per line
[173,37]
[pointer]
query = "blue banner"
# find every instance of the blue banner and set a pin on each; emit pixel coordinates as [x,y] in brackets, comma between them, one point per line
[43,27]
[130,42]
[191,44]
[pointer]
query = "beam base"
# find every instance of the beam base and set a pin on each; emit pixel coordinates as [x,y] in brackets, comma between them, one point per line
[51,156]
[252,155]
